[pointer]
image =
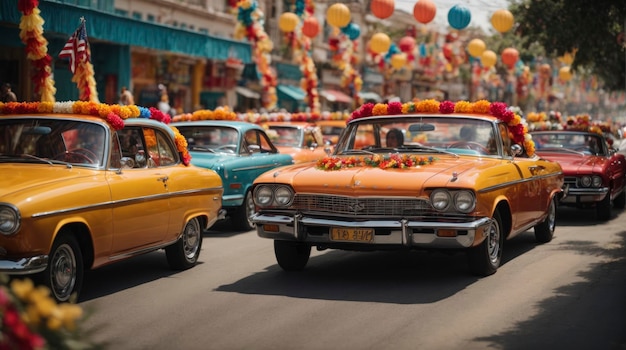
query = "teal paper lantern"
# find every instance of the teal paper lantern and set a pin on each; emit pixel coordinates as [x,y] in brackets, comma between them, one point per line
[459,17]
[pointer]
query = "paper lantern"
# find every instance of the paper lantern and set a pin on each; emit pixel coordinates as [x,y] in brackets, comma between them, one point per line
[406,44]
[310,27]
[567,58]
[502,20]
[565,73]
[424,11]
[338,15]
[459,17]
[488,58]
[398,60]
[383,8]
[476,47]
[352,30]
[509,56]
[380,43]
[288,22]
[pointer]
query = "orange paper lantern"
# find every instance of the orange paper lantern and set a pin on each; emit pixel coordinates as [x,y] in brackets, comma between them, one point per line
[288,22]
[310,27]
[509,56]
[565,73]
[424,11]
[380,43]
[476,47]
[488,58]
[382,8]
[502,20]
[338,15]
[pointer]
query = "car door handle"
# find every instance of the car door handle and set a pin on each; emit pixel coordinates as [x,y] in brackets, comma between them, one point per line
[163,178]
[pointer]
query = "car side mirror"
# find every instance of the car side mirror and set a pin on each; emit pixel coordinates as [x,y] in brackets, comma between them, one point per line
[254,149]
[516,150]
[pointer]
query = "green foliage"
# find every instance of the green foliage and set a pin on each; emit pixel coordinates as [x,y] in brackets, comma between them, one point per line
[593,29]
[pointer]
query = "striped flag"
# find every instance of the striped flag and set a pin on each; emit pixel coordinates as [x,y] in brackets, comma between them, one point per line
[76,48]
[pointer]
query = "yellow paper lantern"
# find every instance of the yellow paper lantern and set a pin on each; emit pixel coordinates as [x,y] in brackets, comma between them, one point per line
[502,20]
[288,22]
[476,47]
[398,60]
[380,43]
[338,15]
[488,58]
[565,73]
[568,58]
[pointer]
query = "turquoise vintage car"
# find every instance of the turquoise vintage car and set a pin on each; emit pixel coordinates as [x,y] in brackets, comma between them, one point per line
[238,152]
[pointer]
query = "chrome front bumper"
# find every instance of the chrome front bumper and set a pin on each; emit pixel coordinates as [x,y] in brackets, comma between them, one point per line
[24,266]
[585,195]
[396,232]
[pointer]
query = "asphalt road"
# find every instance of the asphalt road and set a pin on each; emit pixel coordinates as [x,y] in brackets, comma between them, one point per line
[567,294]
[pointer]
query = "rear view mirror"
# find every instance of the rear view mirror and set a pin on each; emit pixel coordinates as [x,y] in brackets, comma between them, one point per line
[421,127]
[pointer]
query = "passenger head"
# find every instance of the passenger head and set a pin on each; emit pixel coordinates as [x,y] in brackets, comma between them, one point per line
[467,133]
[395,138]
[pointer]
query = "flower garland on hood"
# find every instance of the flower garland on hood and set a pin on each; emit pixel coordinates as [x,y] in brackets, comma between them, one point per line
[518,132]
[113,114]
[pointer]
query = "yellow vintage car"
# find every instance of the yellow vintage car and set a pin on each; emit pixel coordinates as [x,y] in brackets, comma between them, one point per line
[435,175]
[86,184]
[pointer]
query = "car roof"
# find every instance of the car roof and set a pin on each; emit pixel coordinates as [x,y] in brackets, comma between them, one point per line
[239,125]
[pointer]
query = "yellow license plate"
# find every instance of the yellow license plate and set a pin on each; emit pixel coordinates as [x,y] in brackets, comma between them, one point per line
[352,234]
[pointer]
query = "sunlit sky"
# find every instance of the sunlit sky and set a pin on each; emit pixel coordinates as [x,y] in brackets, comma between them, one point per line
[481,10]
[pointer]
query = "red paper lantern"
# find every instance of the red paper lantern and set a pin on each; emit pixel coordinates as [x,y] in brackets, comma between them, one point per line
[406,44]
[424,11]
[383,8]
[310,27]
[509,56]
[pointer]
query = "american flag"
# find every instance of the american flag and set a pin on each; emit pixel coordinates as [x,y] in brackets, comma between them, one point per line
[76,48]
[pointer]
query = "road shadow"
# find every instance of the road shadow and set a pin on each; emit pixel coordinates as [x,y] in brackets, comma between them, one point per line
[569,216]
[397,277]
[590,314]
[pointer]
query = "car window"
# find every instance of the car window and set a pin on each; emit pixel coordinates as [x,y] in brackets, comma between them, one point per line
[287,136]
[160,151]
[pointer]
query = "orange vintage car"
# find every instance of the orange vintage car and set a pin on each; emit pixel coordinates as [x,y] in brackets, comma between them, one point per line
[331,129]
[302,140]
[83,188]
[425,182]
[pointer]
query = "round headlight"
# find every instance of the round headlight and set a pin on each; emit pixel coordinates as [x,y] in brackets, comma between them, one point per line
[596,181]
[263,196]
[283,195]
[9,220]
[585,181]
[440,199]
[464,201]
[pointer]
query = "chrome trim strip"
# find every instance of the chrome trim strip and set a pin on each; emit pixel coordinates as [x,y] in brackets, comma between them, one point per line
[255,167]
[587,191]
[143,250]
[506,184]
[126,201]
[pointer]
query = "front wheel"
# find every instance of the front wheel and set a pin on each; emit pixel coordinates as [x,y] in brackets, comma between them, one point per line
[620,201]
[603,208]
[185,252]
[544,231]
[292,256]
[242,217]
[64,274]
[485,258]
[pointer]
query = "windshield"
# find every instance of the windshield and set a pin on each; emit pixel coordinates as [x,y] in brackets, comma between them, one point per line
[587,143]
[458,135]
[286,136]
[52,140]
[211,138]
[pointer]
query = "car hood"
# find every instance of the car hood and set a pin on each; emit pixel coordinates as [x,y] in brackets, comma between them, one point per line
[28,179]
[211,160]
[576,163]
[367,180]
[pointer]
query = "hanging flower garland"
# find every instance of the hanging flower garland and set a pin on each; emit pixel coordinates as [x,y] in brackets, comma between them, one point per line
[309,83]
[344,57]
[518,131]
[250,26]
[113,114]
[220,113]
[31,34]
[258,118]
[391,161]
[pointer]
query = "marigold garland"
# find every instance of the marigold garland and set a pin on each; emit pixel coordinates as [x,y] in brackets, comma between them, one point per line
[392,161]
[113,114]
[517,129]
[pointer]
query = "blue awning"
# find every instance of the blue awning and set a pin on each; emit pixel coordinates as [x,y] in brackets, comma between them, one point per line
[291,92]
[62,19]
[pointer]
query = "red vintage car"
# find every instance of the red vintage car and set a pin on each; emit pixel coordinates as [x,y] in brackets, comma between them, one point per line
[594,172]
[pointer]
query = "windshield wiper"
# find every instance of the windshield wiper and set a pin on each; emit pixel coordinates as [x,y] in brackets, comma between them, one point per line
[357,151]
[199,148]
[46,160]
[412,148]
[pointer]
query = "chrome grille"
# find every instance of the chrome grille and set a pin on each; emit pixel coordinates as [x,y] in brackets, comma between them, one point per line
[365,207]
[571,181]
